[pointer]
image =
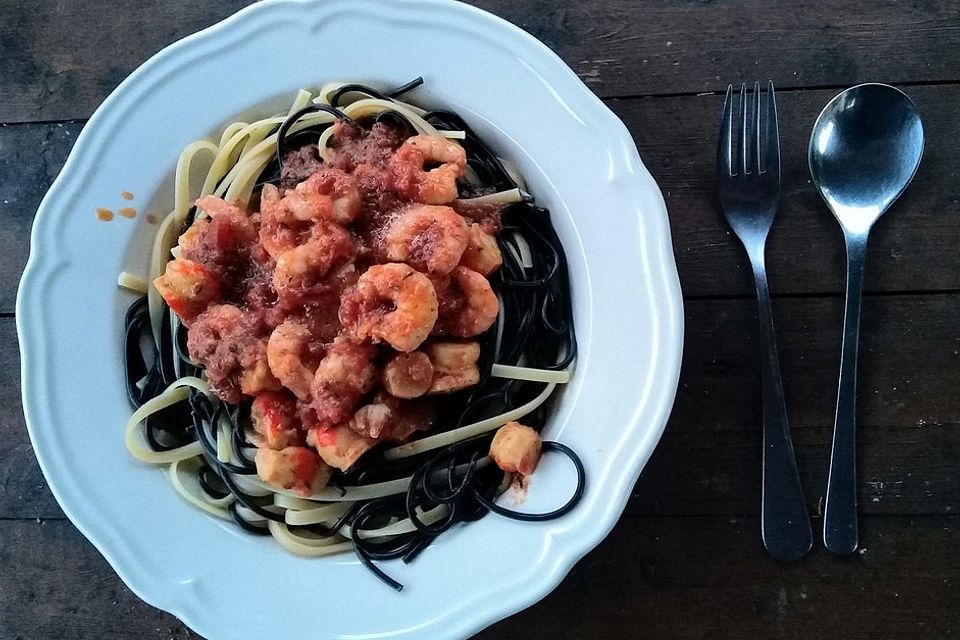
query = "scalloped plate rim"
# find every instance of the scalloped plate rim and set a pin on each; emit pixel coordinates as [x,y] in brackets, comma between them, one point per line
[36,270]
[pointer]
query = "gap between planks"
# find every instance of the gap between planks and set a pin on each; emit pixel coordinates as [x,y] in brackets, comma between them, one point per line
[779,89]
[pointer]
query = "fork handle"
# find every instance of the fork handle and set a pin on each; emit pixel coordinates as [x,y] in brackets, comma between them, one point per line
[840,531]
[785,520]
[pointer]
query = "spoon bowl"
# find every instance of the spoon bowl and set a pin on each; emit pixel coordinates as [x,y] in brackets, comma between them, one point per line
[865,149]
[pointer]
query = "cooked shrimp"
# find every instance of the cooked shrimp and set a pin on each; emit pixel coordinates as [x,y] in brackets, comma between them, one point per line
[301,270]
[390,303]
[344,374]
[191,240]
[428,237]
[328,195]
[435,186]
[482,253]
[228,215]
[188,287]
[277,235]
[454,365]
[341,191]
[231,344]
[211,329]
[468,306]
[291,355]
[223,239]
[408,375]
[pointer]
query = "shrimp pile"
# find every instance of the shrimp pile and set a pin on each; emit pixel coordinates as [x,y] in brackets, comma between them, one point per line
[344,305]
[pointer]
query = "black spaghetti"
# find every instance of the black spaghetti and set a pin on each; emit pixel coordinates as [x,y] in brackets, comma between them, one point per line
[405,486]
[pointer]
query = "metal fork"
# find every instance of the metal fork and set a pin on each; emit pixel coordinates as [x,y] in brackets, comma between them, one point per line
[748,173]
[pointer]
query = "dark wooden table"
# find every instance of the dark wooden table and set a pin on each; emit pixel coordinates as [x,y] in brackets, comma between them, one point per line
[685,561]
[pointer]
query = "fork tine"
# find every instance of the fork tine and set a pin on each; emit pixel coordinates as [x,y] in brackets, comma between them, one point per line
[755,139]
[772,160]
[743,129]
[724,146]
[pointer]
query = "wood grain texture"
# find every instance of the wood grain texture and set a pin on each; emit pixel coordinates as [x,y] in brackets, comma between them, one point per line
[54,68]
[23,491]
[708,578]
[59,60]
[901,471]
[909,362]
[677,578]
[914,247]
[30,158]
[56,585]
[655,47]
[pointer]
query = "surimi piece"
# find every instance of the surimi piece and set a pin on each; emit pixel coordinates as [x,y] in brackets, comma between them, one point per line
[516,448]
[297,468]
[339,446]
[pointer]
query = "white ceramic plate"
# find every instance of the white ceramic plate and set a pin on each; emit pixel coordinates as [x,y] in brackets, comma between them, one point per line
[579,160]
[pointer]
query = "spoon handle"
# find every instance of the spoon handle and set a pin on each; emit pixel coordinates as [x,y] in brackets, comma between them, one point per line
[840,514]
[785,520]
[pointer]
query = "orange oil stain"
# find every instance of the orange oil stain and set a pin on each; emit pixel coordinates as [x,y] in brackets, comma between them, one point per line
[105,215]
[128,212]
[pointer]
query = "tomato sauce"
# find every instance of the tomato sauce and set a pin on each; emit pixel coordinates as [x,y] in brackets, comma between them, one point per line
[275,325]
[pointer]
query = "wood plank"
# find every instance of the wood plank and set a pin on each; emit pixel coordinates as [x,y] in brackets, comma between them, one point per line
[708,578]
[914,247]
[901,471]
[908,375]
[909,412]
[55,585]
[658,577]
[623,47]
[30,158]
[23,490]
[54,68]
[61,59]
[709,459]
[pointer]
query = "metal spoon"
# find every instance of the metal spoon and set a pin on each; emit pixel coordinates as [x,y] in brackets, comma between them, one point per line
[864,151]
